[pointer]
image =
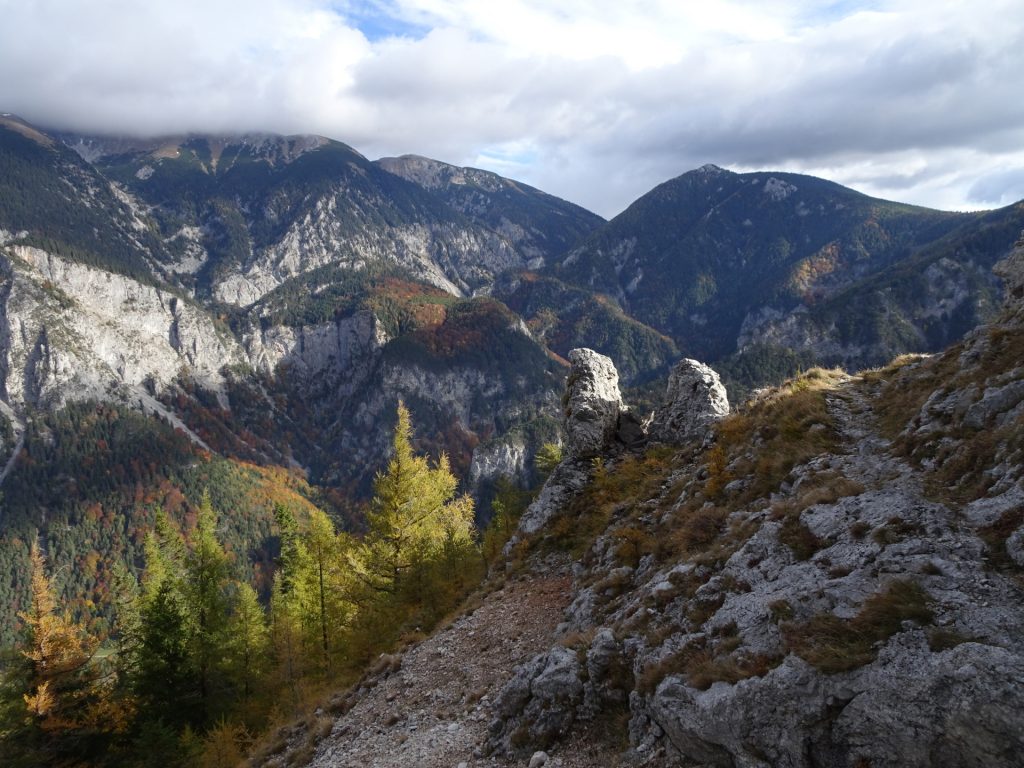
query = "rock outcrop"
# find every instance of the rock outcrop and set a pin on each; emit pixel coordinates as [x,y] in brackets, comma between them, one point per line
[592,404]
[694,400]
[1011,270]
[841,613]
[538,705]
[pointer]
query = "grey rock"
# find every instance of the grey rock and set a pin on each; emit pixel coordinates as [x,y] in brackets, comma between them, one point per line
[592,403]
[994,401]
[694,399]
[539,759]
[562,485]
[605,662]
[505,457]
[539,703]
[909,708]
[632,431]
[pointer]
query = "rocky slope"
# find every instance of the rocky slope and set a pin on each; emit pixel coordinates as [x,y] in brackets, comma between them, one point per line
[829,575]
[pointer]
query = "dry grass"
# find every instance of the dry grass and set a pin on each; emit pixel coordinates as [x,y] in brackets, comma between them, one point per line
[942,639]
[995,537]
[823,488]
[800,539]
[698,529]
[833,644]
[612,489]
[631,544]
[792,424]
[907,383]
[963,464]
[961,455]
[705,662]
[895,530]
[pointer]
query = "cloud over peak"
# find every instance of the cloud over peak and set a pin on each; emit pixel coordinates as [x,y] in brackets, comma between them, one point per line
[592,100]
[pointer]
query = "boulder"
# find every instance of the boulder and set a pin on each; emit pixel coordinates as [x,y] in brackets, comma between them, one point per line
[694,399]
[538,705]
[913,707]
[592,403]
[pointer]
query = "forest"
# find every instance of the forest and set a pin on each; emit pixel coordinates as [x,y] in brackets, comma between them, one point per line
[201,658]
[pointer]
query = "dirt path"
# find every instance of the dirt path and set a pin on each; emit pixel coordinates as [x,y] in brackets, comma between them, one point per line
[434,711]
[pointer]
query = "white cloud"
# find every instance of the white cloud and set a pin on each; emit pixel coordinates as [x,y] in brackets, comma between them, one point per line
[595,101]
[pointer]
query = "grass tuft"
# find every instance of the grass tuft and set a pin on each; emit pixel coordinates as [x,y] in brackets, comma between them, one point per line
[835,645]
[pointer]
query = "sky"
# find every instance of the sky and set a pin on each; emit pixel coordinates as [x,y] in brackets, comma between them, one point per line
[596,101]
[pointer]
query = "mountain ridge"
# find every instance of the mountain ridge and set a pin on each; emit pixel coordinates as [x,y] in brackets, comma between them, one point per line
[273,312]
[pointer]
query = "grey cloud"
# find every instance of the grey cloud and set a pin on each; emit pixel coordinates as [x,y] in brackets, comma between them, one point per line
[600,134]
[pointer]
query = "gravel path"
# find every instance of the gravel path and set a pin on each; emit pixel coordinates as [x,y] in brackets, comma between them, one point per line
[433,712]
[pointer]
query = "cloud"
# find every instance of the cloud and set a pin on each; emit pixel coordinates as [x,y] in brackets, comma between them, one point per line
[998,188]
[592,100]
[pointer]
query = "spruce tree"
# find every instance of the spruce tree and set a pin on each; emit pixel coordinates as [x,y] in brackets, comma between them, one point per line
[162,678]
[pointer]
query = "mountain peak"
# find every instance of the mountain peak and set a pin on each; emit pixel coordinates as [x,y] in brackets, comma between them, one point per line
[710,169]
[272,147]
[14,123]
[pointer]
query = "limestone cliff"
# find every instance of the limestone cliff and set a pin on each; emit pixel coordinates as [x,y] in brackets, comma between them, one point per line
[73,332]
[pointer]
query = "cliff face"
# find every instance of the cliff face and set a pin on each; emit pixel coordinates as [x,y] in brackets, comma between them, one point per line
[77,332]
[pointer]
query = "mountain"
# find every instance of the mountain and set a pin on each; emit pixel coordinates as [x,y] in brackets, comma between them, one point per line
[542,227]
[242,215]
[54,199]
[828,575]
[787,270]
[242,314]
